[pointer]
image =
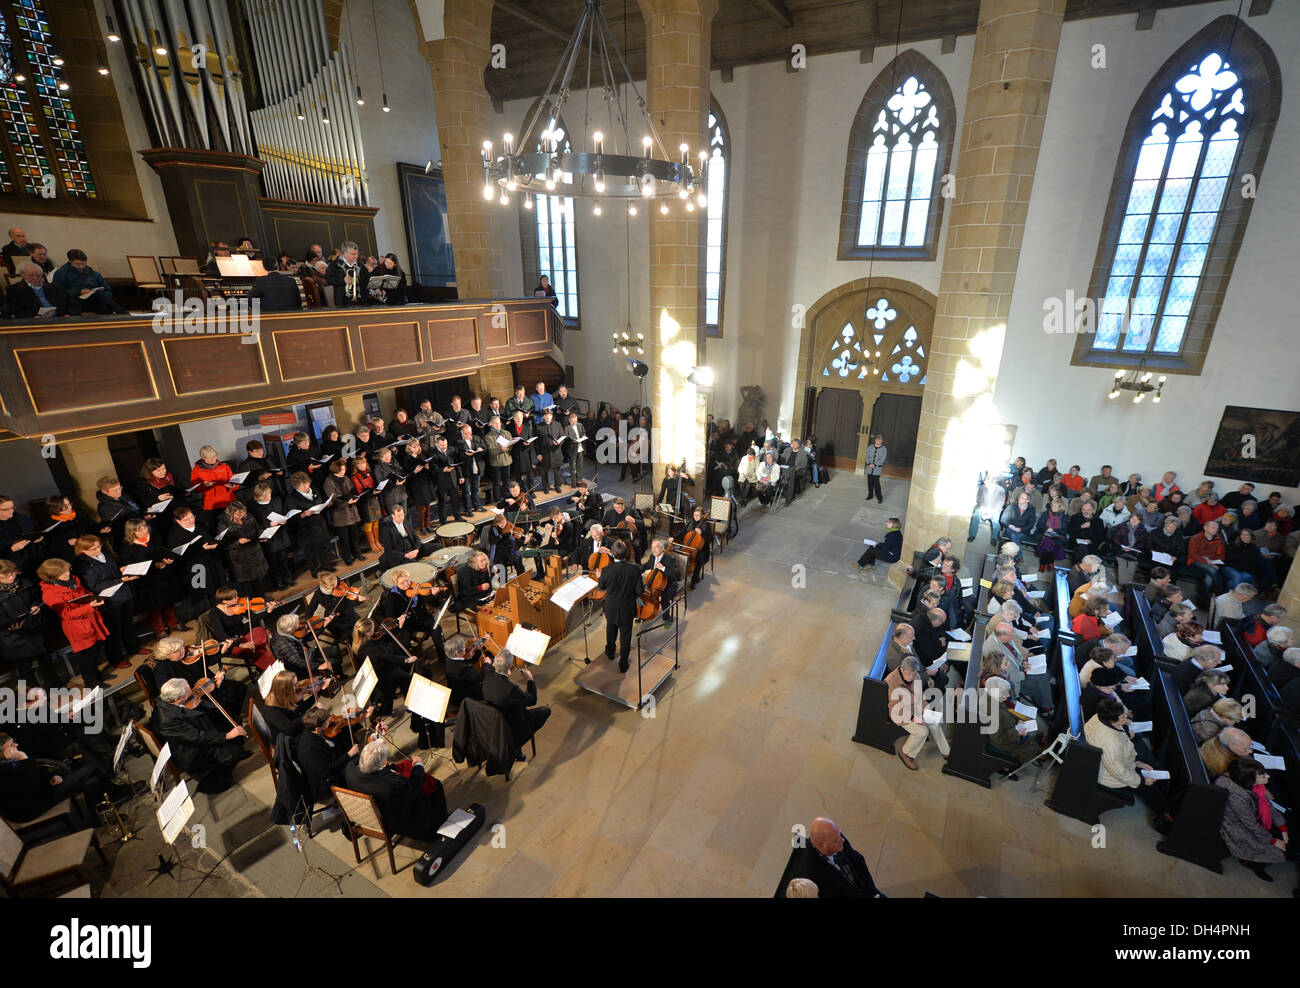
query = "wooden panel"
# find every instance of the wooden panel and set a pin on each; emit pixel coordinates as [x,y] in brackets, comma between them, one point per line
[68,378]
[390,345]
[209,363]
[496,332]
[528,326]
[296,233]
[452,338]
[304,353]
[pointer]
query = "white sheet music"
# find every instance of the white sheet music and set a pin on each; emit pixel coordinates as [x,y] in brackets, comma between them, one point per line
[958,634]
[528,645]
[458,821]
[364,684]
[109,591]
[428,699]
[572,591]
[1163,558]
[137,569]
[121,745]
[277,518]
[264,680]
[1212,637]
[1025,710]
[1129,652]
[1037,665]
[158,508]
[1273,763]
[1111,619]
[870,542]
[238,478]
[1155,773]
[932,716]
[164,757]
[1141,684]
[1037,594]
[268,532]
[1142,726]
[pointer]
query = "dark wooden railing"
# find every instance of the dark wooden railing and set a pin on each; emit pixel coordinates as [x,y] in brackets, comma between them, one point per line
[74,378]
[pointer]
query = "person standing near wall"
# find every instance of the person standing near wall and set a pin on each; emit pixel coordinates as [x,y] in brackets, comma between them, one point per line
[876,454]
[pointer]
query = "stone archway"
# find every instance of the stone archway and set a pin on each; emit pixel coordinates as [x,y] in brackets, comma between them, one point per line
[844,330]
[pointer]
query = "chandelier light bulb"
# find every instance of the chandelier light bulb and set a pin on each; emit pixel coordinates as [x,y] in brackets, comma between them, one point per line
[1138,399]
[648,186]
[690,206]
[1155,400]
[550,185]
[387,109]
[663,208]
[489,193]
[595,209]
[702,201]
[683,193]
[598,139]
[511,185]
[631,209]
[1113,394]
[1119,374]
[528,201]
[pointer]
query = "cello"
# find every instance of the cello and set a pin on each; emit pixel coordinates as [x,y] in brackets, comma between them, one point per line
[596,562]
[656,582]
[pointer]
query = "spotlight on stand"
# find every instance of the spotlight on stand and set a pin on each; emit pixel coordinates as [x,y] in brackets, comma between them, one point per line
[638,367]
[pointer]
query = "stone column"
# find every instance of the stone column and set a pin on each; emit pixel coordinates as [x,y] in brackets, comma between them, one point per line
[464,119]
[677,69]
[1006,103]
[1289,597]
[87,460]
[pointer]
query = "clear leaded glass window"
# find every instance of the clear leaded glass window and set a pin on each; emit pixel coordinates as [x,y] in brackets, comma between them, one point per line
[1172,212]
[557,250]
[900,169]
[39,123]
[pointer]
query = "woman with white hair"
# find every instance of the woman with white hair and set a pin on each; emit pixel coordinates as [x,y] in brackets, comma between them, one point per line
[1013,735]
[411,803]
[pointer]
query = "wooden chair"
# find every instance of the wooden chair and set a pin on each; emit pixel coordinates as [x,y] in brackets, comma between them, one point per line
[150,742]
[145,271]
[60,814]
[363,819]
[167,265]
[22,866]
[262,735]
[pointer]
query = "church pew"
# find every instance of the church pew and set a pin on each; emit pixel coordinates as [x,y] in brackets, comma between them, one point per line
[874,726]
[984,585]
[1198,811]
[1250,683]
[1076,792]
[969,759]
[1060,590]
[1137,616]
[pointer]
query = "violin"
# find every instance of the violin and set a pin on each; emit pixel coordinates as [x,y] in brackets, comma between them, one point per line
[510,528]
[256,605]
[310,687]
[204,687]
[337,723]
[201,650]
[387,626]
[423,589]
[343,590]
[314,623]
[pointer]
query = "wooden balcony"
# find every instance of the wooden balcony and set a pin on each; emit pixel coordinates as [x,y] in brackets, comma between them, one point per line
[75,378]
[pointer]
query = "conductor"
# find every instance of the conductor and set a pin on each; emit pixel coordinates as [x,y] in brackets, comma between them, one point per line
[621,581]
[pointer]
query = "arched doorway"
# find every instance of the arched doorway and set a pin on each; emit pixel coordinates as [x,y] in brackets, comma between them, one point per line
[862,369]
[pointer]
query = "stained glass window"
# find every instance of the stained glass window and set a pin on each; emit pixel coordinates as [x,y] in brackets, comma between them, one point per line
[715,244]
[1175,195]
[31,76]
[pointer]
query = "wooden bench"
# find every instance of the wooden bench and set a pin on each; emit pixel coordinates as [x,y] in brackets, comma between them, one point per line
[1137,616]
[874,726]
[970,758]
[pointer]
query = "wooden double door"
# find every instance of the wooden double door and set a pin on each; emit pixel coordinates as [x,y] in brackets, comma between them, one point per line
[838,426]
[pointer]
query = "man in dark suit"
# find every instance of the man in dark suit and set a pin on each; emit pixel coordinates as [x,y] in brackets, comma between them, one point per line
[348,277]
[26,298]
[197,746]
[403,807]
[276,292]
[665,562]
[29,787]
[621,581]
[830,862]
[519,707]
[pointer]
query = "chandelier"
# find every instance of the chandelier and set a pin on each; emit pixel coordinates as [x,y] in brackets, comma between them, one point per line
[1139,382]
[607,164]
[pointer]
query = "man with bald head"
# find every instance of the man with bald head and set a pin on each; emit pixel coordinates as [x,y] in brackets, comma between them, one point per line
[827,859]
[1225,748]
[15,249]
[25,299]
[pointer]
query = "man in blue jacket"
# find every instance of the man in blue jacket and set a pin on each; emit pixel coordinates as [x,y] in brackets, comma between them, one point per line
[83,284]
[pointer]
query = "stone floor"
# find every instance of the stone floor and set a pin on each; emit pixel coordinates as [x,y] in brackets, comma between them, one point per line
[748,739]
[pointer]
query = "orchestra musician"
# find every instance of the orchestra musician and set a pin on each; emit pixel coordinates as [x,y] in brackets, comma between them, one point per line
[282,709]
[339,612]
[404,806]
[227,621]
[498,456]
[671,492]
[464,677]
[622,583]
[516,500]
[322,759]
[616,513]
[412,613]
[198,747]
[588,500]
[168,663]
[519,706]
[473,582]
[554,533]
[702,524]
[301,656]
[550,450]
[593,543]
[666,562]
[393,663]
[503,546]
[399,541]
[470,450]
[348,277]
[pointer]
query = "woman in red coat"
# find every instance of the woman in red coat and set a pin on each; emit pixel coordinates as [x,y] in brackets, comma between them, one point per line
[82,625]
[213,475]
[1088,625]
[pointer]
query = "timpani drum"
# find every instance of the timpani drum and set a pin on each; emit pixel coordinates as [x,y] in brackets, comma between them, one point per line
[455,533]
[421,572]
[452,555]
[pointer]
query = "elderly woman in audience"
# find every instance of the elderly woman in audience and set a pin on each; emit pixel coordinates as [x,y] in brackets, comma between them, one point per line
[1098,587]
[907,709]
[1034,688]
[1012,734]
[1189,526]
[1131,486]
[1224,748]
[1177,616]
[1208,688]
[1179,644]
[1114,509]
[1053,533]
[1250,517]
[1271,650]
[1253,829]
[1026,631]
[1089,624]
[1129,539]
[1209,510]
[1121,768]
[1222,713]
[1103,656]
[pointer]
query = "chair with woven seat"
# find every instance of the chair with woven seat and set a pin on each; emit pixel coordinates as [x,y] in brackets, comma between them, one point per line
[23,865]
[363,819]
[60,814]
[151,745]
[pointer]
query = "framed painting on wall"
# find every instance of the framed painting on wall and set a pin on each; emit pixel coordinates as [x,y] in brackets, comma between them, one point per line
[424,210]
[1259,445]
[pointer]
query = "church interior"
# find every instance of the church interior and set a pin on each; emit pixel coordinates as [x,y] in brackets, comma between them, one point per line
[672,449]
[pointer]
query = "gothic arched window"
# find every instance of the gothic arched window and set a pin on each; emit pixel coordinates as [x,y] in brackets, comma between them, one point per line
[548,226]
[715,252]
[899,149]
[1182,193]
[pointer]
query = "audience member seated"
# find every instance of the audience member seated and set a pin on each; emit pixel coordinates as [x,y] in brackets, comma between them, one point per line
[1090,624]
[1254,830]
[1208,688]
[1178,645]
[1012,737]
[1276,641]
[41,258]
[16,249]
[1033,688]
[907,709]
[31,786]
[79,281]
[1200,659]
[34,298]
[1254,629]
[1221,714]
[1108,729]
[900,646]
[1206,552]
[1019,518]
[407,805]
[1284,671]
[1223,749]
